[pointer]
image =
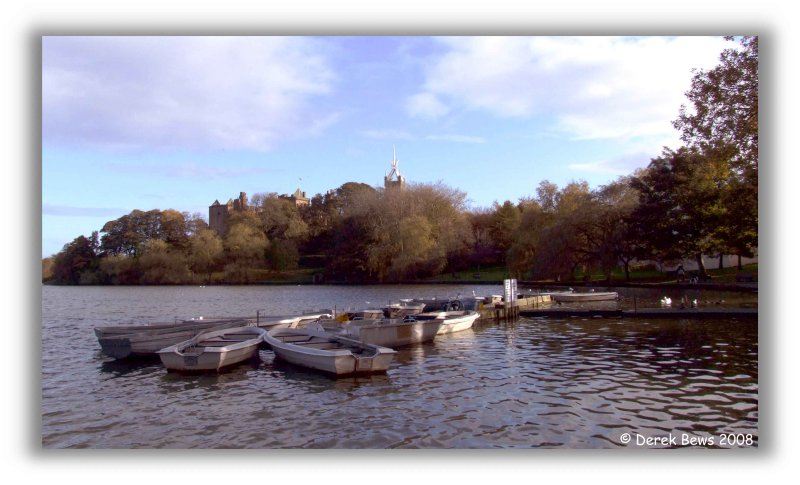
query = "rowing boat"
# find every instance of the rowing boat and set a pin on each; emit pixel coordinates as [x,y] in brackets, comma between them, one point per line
[213,350]
[334,354]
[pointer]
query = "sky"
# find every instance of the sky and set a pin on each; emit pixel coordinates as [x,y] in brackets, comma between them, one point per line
[138,122]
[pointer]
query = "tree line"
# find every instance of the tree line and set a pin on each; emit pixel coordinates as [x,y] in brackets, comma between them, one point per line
[700,199]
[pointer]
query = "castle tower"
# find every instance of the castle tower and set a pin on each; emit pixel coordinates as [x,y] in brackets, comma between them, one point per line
[394,179]
[218,214]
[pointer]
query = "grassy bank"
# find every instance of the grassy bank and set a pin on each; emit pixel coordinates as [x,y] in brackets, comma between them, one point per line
[496,274]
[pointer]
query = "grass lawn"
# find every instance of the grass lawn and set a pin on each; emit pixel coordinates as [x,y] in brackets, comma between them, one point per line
[490,274]
[499,273]
[722,276]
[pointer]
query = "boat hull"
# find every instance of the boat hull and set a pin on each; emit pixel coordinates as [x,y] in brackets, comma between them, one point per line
[330,354]
[388,333]
[213,351]
[148,343]
[458,323]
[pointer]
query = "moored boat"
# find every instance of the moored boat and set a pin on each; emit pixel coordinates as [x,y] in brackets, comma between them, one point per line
[112,330]
[402,309]
[145,342]
[213,350]
[366,313]
[386,332]
[451,321]
[334,354]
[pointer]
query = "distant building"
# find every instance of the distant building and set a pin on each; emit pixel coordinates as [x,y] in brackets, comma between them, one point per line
[219,214]
[299,198]
[394,179]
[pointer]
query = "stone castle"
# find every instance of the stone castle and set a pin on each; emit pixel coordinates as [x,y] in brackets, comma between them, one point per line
[219,214]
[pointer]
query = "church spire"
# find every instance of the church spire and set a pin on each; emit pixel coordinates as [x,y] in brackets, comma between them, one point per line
[389,180]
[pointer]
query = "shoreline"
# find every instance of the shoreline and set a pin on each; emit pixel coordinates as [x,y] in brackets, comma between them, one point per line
[733,287]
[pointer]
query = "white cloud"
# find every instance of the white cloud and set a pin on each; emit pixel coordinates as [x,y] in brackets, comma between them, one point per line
[387,134]
[622,165]
[592,87]
[189,170]
[456,138]
[426,105]
[198,92]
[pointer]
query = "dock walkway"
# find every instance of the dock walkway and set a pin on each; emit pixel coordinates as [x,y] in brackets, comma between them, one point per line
[533,306]
[676,313]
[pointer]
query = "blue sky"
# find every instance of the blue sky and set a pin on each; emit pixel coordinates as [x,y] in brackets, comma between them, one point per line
[177,122]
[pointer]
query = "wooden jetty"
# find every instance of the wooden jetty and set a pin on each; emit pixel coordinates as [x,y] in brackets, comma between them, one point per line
[539,306]
[502,312]
[674,313]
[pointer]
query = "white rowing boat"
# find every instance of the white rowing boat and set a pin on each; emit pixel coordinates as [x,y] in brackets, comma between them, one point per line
[334,354]
[386,332]
[213,350]
[451,321]
[145,341]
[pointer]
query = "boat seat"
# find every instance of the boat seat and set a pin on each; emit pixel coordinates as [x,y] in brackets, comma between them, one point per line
[322,345]
[313,340]
[217,343]
[294,339]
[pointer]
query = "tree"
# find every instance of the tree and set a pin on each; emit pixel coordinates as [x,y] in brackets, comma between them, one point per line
[722,122]
[505,221]
[127,234]
[564,240]
[205,252]
[619,201]
[608,227]
[724,110]
[120,269]
[245,246]
[160,264]
[400,234]
[76,263]
[526,239]
[173,229]
[681,210]
[482,250]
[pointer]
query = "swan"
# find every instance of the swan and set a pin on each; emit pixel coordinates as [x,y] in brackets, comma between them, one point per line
[666,301]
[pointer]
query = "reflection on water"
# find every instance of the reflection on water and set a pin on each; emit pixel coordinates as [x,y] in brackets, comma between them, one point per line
[571,383]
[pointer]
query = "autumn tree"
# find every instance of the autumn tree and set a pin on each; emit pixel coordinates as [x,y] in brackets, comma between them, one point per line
[325,217]
[76,263]
[505,221]
[563,241]
[400,234]
[483,250]
[245,246]
[205,252]
[162,264]
[521,256]
[722,123]
[681,206]
[285,228]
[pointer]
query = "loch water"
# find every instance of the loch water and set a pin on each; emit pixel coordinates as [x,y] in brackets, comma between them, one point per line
[535,383]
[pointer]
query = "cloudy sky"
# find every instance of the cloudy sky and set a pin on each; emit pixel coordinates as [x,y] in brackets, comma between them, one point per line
[177,122]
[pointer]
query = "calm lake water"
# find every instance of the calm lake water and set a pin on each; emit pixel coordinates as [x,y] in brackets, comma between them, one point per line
[555,383]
